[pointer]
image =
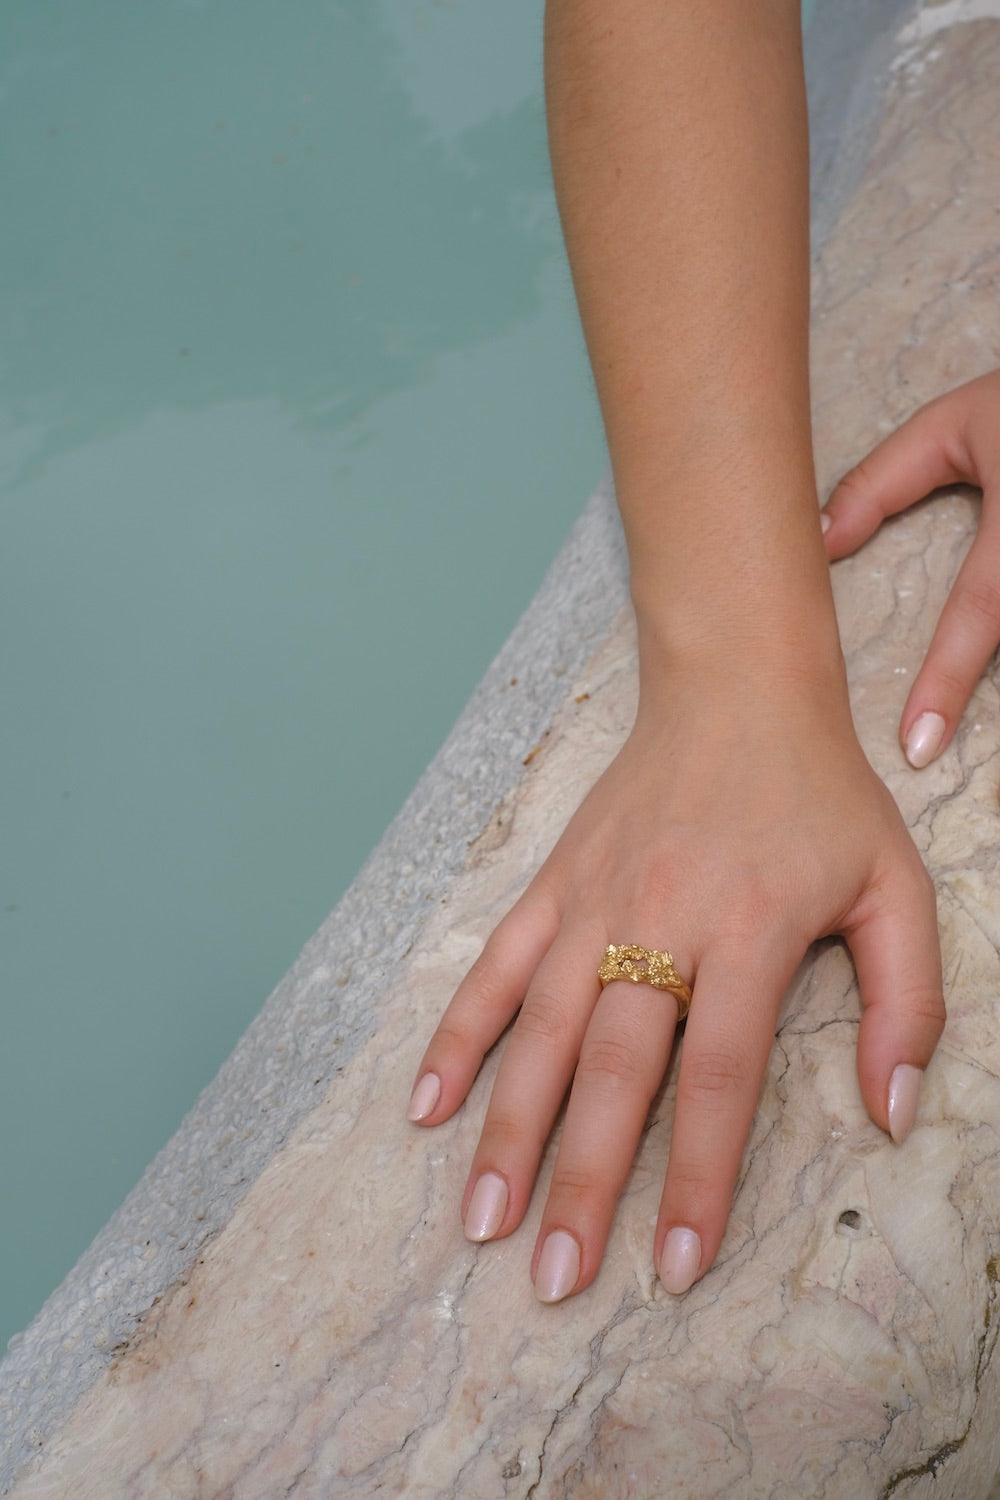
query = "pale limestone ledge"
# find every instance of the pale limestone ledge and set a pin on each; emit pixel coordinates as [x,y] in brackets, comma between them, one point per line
[339,1336]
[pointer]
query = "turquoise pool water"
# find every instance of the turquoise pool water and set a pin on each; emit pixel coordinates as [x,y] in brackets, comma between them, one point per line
[293,415]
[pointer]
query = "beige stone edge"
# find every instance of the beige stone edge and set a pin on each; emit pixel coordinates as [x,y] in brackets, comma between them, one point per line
[836,417]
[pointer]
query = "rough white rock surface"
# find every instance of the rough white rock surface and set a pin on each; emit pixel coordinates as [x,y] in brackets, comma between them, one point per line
[336,1334]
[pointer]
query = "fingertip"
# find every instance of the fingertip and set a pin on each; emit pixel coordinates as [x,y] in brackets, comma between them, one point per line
[424,1099]
[924,739]
[964,640]
[840,526]
[558,1268]
[487,1207]
[827,521]
[903,1101]
[897,955]
[895,1045]
[679,1264]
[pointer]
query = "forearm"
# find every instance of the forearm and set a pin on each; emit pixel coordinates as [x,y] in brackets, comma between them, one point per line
[740,820]
[680,152]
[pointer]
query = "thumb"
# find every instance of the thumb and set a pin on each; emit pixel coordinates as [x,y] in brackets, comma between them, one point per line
[897,955]
[918,457]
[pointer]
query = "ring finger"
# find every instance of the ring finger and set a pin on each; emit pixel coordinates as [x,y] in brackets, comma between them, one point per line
[728,1042]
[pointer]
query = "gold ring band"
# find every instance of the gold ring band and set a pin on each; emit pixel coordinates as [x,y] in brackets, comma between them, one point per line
[645,966]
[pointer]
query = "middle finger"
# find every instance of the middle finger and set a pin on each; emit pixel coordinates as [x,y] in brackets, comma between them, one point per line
[622,1063]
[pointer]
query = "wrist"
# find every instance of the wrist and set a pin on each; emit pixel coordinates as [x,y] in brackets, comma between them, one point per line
[732,570]
[785,663]
[774,609]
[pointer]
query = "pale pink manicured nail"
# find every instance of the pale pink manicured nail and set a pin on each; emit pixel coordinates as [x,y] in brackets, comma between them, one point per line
[904,1096]
[558,1267]
[680,1260]
[424,1097]
[924,740]
[487,1207]
[825,522]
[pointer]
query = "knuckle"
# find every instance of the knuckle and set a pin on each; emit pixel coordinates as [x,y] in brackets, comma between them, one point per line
[543,898]
[543,1019]
[690,1182]
[485,977]
[716,1075]
[952,682]
[926,1006]
[579,1189]
[656,889]
[742,925]
[461,1033]
[611,1063]
[858,484]
[452,1036]
[980,598]
[748,925]
[504,1136]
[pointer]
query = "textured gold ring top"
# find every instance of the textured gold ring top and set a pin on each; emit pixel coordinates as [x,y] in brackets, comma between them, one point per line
[645,966]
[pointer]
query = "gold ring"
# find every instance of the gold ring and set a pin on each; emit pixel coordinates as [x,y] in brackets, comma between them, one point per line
[645,966]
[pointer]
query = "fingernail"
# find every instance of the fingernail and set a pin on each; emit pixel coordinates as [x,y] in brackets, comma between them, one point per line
[487,1207]
[924,740]
[680,1260]
[558,1267]
[424,1097]
[825,522]
[904,1096]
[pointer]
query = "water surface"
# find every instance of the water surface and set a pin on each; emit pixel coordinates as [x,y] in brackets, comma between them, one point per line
[294,413]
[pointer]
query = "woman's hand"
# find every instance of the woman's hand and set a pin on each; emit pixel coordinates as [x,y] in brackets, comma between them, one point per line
[741,819]
[953,440]
[738,823]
